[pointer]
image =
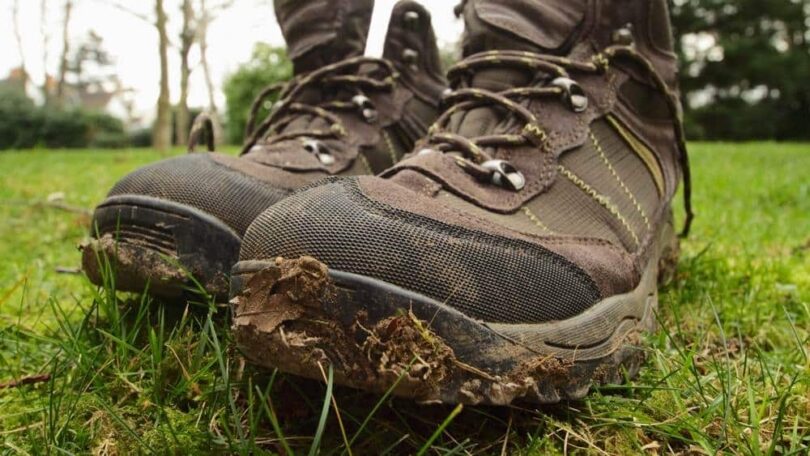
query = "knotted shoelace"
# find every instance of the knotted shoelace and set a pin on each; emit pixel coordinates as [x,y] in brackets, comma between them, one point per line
[335,78]
[556,83]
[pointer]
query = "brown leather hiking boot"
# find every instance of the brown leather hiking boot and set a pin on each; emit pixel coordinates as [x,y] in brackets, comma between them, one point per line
[342,115]
[514,255]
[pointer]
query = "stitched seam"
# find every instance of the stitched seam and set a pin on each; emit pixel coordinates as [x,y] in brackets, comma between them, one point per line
[603,200]
[624,187]
[642,151]
[365,163]
[536,220]
[391,149]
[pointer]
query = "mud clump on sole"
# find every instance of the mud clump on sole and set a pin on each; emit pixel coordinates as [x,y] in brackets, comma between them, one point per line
[135,266]
[403,345]
[280,321]
[277,295]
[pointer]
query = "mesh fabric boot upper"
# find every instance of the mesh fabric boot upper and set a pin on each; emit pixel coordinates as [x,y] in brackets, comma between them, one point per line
[539,192]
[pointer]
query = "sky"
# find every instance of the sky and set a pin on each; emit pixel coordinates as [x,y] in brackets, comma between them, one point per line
[133,42]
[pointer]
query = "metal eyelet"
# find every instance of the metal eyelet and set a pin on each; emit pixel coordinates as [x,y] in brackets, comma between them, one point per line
[411,19]
[366,107]
[624,36]
[317,148]
[573,95]
[410,56]
[505,175]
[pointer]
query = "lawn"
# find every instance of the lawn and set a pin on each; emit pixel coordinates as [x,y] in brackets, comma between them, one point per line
[728,372]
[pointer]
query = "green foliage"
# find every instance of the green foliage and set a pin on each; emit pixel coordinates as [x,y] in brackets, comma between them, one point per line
[19,119]
[268,65]
[24,125]
[754,76]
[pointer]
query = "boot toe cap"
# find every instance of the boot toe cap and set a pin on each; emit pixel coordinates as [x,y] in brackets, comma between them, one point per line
[486,277]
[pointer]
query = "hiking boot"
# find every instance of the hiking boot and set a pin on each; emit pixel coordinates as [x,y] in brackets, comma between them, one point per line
[173,225]
[515,254]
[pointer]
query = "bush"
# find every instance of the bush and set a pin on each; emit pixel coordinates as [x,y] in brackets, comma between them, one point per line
[141,137]
[20,120]
[23,125]
[106,131]
[268,66]
[64,129]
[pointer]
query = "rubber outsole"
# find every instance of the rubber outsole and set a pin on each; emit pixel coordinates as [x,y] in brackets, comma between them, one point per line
[298,316]
[164,248]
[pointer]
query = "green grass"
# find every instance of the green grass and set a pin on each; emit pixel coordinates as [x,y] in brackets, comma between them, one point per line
[727,373]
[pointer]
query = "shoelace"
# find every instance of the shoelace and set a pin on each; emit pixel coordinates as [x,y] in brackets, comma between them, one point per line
[343,74]
[475,160]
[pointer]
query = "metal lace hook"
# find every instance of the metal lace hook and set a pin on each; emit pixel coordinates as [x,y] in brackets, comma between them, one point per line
[573,95]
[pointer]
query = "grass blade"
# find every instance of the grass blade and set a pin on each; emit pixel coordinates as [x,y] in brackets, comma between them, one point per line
[440,430]
[316,442]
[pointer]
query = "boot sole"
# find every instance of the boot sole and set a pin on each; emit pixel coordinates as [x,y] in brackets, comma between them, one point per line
[299,318]
[166,249]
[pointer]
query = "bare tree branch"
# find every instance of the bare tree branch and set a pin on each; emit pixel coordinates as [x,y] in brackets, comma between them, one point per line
[63,59]
[15,13]
[120,7]
[206,17]
[162,138]
[45,36]
[219,7]
[187,38]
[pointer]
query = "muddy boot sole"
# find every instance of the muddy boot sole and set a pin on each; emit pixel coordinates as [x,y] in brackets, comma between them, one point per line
[300,317]
[166,249]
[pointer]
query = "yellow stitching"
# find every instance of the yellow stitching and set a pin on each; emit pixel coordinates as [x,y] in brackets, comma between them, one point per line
[642,151]
[536,220]
[620,181]
[535,130]
[339,130]
[391,149]
[601,199]
[365,163]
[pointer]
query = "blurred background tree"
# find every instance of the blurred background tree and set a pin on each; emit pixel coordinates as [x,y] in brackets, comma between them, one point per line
[745,68]
[268,65]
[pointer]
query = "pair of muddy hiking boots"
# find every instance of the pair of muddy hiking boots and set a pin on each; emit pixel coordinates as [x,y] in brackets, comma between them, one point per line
[509,247]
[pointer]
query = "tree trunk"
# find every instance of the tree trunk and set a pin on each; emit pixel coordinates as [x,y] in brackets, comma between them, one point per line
[18,38]
[186,42]
[202,40]
[63,59]
[46,41]
[162,139]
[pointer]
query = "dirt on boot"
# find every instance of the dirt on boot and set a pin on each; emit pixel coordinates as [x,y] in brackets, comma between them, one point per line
[281,320]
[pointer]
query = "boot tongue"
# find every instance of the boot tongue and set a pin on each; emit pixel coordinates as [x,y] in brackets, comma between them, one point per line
[321,32]
[488,119]
[550,26]
[500,79]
